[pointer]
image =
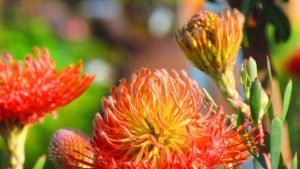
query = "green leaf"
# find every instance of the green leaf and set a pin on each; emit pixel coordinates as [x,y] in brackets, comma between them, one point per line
[269,72]
[40,162]
[267,141]
[255,95]
[295,161]
[245,80]
[270,110]
[286,99]
[245,40]
[282,164]
[240,119]
[271,113]
[276,132]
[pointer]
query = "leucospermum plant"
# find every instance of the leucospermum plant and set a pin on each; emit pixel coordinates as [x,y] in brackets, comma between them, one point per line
[159,119]
[163,119]
[28,91]
[211,42]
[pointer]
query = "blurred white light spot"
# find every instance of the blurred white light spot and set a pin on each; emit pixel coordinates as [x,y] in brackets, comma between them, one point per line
[105,74]
[160,22]
[101,9]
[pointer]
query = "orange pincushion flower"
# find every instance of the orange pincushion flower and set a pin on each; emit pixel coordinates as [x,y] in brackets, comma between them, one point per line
[162,120]
[30,89]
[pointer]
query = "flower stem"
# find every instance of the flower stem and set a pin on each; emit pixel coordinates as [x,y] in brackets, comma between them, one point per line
[14,138]
[226,84]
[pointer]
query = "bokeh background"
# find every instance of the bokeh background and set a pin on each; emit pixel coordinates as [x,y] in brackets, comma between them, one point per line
[116,37]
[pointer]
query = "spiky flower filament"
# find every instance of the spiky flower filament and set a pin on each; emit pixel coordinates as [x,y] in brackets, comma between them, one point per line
[211,41]
[71,149]
[30,89]
[161,120]
[147,118]
[220,142]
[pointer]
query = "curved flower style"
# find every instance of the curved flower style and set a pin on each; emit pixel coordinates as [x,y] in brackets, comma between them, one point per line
[30,89]
[67,147]
[211,42]
[162,120]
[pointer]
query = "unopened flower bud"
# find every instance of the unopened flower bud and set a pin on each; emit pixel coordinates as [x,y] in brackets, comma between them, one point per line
[248,75]
[211,41]
[251,67]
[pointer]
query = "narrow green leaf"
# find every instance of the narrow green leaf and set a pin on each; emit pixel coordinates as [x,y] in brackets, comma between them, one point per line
[255,95]
[295,161]
[270,111]
[282,164]
[40,162]
[276,132]
[286,99]
[245,40]
[245,80]
[269,73]
[240,119]
[269,107]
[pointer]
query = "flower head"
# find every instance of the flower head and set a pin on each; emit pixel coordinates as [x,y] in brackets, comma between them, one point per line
[211,41]
[161,119]
[70,148]
[30,89]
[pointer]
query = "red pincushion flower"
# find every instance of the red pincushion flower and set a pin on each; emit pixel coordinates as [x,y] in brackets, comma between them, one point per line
[162,120]
[30,89]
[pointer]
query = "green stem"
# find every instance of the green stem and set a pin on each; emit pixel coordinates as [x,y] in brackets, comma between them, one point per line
[14,138]
[226,84]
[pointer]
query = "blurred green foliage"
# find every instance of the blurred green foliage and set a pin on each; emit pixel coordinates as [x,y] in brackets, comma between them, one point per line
[18,38]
